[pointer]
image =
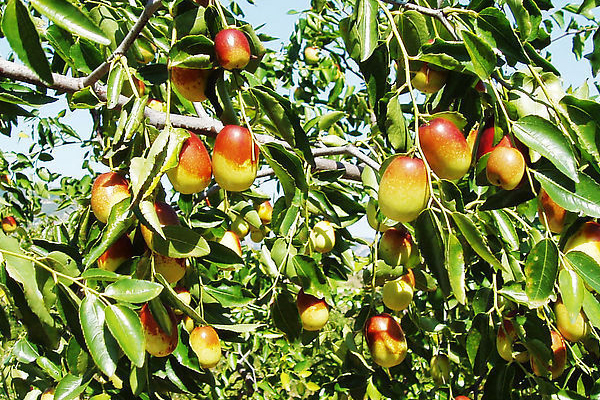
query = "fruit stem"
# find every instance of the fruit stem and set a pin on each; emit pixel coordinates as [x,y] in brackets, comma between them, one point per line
[221,14]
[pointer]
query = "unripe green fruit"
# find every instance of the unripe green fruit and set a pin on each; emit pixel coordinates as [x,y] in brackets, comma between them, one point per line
[397,295]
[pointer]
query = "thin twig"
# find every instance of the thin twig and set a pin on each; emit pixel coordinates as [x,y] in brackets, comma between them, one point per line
[98,73]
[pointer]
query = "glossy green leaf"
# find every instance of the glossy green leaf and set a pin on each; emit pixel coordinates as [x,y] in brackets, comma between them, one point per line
[456,268]
[395,123]
[585,114]
[591,308]
[133,290]
[541,270]
[544,137]
[119,221]
[70,387]
[478,343]
[24,40]
[506,227]
[366,26]
[475,239]
[577,197]
[482,55]
[20,268]
[586,267]
[285,316]
[229,293]
[180,242]
[288,168]
[126,327]
[100,343]
[572,291]
[193,51]
[494,27]
[116,77]
[71,18]
[432,248]
[311,277]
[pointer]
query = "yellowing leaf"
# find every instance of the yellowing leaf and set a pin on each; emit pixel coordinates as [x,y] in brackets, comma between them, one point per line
[285,380]
[312,386]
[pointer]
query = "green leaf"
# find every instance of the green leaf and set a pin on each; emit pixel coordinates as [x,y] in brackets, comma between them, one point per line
[544,137]
[222,254]
[581,197]
[586,267]
[494,27]
[456,268]
[366,26]
[193,51]
[100,343]
[541,269]
[499,383]
[475,239]
[311,276]
[585,114]
[395,124]
[238,328]
[431,245]
[126,327]
[70,387]
[284,118]
[100,275]
[180,242]
[478,344]
[118,223]
[229,293]
[71,18]
[288,168]
[21,269]
[482,55]
[24,40]
[572,291]
[285,316]
[133,290]
[591,307]
[115,83]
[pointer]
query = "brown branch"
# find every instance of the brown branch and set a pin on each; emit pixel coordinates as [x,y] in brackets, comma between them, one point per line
[98,73]
[202,125]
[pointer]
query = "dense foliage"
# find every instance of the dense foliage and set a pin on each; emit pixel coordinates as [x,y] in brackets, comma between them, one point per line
[329,112]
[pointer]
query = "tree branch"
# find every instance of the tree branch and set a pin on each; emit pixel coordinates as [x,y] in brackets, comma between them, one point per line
[204,125]
[98,73]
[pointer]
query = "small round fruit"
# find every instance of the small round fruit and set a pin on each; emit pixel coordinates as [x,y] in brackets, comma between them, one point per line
[109,189]
[232,49]
[231,240]
[240,227]
[190,82]
[504,340]
[559,358]
[184,295]
[505,167]
[445,148]
[440,369]
[206,344]
[311,55]
[573,331]
[119,252]
[462,397]
[265,212]
[396,247]
[397,295]
[173,269]
[551,213]
[257,235]
[166,216]
[193,172]
[235,158]
[322,237]
[9,224]
[386,340]
[429,80]
[586,240]
[314,312]
[158,342]
[404,189]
